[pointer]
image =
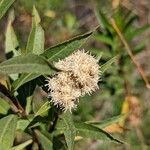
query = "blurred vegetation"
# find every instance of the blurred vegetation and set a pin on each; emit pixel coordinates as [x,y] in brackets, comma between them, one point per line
[122,90]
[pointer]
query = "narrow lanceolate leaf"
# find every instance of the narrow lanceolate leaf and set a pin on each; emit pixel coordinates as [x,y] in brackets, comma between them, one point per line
[140,46]
[24,78]
[4,6]
[108,64]
[104,38]
[54,53]
[66,125]
[135,32]
[36,39]
[89,131]
[44,141]
[62,50]
[43,109]
[11,42]
[22,146]
[4,106]
[129,19]
[29,63]
[70,132]
[7,131]
[107,122]
[103,21]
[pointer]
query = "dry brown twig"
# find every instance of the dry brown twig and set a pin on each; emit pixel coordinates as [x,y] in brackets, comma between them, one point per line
[129,51]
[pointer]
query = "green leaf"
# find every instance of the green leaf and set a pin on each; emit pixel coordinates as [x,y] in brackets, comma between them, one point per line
[29,63]
[43,109]
[4,6]
[54,53]
[22,146]
[107,122]
[36,39]
[4,106]
[40,104]
[36,18]
[129,19]
[7,131]
[135,32]
[103,21]
[24,78]
[140,46]
[3,148]
[28,107]
[118,17]
[104,38]
[44,141]
[101,53]
[62,50]
[90,131]
[23,123]
[70,132]
[11,42]
[68,128]
[69,20]
[107,65]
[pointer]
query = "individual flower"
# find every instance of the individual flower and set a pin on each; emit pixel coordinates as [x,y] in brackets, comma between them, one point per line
[79,75]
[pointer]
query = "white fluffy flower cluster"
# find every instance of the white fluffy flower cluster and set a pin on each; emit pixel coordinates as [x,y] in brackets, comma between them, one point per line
[79,75]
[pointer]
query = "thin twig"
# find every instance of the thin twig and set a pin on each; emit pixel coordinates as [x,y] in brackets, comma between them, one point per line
[129,51]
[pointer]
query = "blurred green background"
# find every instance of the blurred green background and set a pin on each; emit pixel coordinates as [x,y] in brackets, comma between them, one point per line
[121,88]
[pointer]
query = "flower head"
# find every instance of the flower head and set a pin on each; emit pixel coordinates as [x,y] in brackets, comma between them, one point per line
[83,68]
[80,75]
[63,91]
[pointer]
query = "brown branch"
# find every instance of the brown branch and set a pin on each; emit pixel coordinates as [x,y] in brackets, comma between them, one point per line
[129,51]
